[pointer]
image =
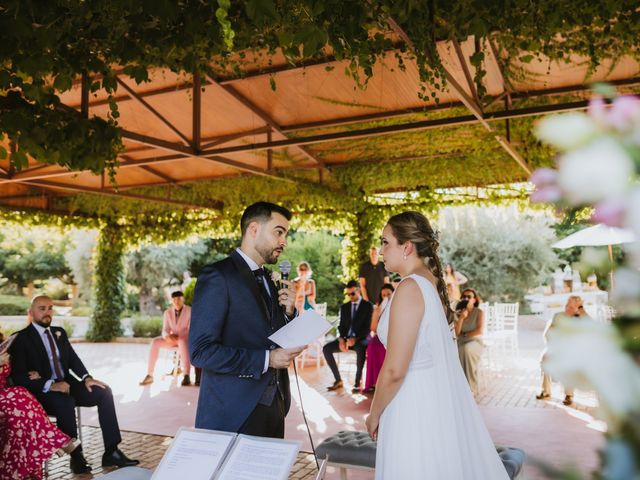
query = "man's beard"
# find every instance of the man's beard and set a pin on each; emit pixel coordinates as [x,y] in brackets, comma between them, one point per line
[44,323]
[270,256]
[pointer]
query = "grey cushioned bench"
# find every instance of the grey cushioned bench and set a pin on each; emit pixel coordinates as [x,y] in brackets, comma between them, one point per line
[357,450]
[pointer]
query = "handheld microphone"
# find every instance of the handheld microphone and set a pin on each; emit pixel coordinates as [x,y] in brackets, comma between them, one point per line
[285,269]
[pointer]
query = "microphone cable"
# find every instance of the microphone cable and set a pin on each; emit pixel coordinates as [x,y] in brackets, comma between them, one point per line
[285,268]
[304,416]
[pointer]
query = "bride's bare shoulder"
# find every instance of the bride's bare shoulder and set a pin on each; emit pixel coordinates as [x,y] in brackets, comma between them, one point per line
[407,288]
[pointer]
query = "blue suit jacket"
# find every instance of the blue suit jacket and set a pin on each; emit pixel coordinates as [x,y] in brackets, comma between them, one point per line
[230,323]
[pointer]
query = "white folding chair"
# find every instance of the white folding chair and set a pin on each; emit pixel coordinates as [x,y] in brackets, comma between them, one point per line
[313,352]
[506,332]
[321,309]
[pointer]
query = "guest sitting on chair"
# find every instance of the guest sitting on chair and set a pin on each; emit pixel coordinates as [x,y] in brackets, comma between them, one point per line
[44,350]
[375,348]
[353,330]
[27,437]
[175,333]
[468,326]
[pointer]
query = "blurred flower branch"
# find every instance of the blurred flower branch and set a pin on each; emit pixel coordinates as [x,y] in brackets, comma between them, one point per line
[598,166]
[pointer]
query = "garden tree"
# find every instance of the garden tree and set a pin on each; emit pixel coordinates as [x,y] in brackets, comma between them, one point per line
[80,258]
[214,249]
[30,255]
[503,251]
[323,251]
[152,267]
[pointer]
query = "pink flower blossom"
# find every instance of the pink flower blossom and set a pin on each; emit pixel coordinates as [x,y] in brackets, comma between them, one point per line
[546,194]
[544,176]
[624,111]
[598,109]
[610,212]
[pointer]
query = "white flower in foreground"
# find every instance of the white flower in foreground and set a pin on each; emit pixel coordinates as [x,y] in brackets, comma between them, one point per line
[595,172]
[632,222]
[626,290]
[632,218]
[566,131]
[588,355]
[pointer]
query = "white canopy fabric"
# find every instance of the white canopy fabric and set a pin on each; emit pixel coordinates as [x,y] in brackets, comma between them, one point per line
[597,235]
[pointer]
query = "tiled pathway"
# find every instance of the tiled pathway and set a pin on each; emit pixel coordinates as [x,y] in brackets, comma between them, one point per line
[547,431]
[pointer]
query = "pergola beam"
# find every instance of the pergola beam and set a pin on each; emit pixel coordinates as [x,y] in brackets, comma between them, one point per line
[196,128]
[188,152]
[469,102]
[179,155]
[108,193]
[400,128]
[153,111]
[465,70]
[215,141]
[265,118]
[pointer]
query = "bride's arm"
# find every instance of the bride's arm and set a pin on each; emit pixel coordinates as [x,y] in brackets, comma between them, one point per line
[406,313]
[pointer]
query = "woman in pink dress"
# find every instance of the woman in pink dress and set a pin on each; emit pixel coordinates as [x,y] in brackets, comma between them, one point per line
[375,348]
[27,437]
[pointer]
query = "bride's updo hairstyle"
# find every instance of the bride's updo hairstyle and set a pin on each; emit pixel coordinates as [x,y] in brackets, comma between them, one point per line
[415,228]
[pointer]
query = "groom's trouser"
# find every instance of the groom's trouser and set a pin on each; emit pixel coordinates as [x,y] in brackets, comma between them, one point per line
[333,347]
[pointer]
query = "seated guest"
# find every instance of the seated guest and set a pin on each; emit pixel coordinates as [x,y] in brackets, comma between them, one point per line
[375,348]
[44,350]
[175,333]
[27,437]
[353,334]
[468,326]
[573,308]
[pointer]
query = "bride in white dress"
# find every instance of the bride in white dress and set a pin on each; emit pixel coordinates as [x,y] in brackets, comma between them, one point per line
[423,415]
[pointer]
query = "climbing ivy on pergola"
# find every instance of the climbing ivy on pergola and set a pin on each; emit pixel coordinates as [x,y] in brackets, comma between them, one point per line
[47,46]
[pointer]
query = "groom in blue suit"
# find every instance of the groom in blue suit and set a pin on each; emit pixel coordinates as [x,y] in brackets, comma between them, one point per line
[236,306]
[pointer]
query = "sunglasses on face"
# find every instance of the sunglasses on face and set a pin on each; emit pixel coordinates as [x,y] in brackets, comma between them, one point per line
[352,294]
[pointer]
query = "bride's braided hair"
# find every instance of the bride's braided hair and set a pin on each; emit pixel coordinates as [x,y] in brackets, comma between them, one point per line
[414,227]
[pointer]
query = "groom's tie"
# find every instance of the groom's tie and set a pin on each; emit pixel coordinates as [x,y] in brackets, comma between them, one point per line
[261,277]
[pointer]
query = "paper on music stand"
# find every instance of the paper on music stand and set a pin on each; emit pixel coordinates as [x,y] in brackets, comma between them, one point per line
[254,458]
[302,330]
[194,454]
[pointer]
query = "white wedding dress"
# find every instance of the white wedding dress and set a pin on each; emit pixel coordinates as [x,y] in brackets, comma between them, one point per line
[432,429]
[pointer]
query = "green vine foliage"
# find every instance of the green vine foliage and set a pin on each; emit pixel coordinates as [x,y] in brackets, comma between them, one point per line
[47,46]
[109,285]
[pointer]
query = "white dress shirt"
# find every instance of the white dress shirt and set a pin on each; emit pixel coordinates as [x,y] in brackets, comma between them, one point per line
[254,266]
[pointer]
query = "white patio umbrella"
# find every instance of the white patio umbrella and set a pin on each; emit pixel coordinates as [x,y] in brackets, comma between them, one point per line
[597,235]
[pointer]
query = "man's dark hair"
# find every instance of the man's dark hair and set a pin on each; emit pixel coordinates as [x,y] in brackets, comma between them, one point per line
[177,293]
[261,212]
[352,284]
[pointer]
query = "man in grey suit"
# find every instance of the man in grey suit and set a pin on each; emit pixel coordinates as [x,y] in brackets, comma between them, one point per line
[245,382]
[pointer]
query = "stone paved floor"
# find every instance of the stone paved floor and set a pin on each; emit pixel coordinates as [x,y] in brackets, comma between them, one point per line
[546,430]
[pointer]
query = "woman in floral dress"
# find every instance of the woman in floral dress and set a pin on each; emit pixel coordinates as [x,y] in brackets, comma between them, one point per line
[27,437]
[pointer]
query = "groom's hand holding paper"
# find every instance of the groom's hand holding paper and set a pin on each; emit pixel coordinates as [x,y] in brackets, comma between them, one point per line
[302,330]
[282,357]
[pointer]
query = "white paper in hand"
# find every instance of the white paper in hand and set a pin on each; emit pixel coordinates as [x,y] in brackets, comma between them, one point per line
[302,330]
